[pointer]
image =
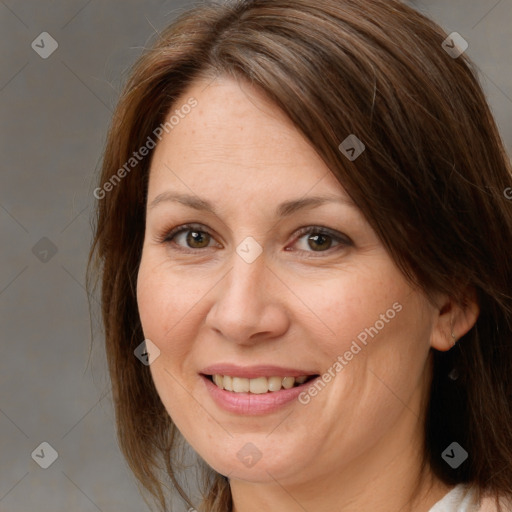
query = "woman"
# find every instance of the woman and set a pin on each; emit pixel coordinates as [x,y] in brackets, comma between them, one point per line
[304,247]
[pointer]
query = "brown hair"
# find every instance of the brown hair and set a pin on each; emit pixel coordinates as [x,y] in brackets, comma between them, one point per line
[430,182]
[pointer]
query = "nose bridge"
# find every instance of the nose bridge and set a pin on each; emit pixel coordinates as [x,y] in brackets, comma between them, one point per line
[244,306]
[248,266]
[246,279]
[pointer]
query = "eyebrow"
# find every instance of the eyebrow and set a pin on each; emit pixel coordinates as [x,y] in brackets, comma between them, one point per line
[285,209]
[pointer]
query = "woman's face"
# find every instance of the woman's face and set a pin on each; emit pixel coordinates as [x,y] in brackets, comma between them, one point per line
[270,284]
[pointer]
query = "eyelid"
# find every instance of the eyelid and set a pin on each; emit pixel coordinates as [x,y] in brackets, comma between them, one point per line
[321,230]
[341,238]
[168,235]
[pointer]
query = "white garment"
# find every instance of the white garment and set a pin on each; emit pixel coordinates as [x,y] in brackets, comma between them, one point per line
[461,498]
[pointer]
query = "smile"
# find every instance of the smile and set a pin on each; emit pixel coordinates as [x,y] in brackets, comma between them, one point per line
[259,385]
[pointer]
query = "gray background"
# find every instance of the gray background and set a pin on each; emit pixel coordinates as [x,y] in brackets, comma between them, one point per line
[54,115]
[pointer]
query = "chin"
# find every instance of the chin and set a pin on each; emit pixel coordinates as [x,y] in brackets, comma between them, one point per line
[254,461]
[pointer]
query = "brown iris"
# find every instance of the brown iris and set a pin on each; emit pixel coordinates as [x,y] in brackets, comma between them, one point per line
[199,237]
[318,239]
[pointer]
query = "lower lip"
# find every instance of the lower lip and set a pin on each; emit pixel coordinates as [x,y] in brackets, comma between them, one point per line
[251,404]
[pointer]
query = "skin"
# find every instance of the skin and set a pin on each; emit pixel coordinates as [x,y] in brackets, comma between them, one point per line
[356,445]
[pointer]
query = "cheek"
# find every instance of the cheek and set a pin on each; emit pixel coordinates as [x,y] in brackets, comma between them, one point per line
[163,302]
[356,305]
[166,300]
[377,336]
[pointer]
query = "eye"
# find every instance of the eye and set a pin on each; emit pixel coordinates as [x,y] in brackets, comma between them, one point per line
[196,237]
[190,237]
[320,239]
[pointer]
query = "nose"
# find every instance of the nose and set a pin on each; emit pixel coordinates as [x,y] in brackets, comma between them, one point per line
[248,306]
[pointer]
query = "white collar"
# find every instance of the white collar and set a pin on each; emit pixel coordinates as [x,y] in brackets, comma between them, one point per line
[461,498]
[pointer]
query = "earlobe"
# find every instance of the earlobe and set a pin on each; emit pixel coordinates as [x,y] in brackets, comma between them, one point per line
[453,321]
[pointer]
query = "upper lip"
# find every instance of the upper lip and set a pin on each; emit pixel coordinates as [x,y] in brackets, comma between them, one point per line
[253,372]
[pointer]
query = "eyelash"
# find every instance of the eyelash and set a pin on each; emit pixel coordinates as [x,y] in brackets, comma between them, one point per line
[341,239]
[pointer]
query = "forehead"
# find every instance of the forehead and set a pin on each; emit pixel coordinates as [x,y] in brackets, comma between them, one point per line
[236,139]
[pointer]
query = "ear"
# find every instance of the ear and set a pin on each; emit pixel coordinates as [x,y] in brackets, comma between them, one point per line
[453,320]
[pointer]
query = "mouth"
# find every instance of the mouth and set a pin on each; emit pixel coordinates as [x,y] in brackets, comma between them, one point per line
[258,385]
[255,390]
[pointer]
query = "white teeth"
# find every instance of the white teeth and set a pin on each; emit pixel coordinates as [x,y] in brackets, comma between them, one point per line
[288,382]
[259,385]
[240,385]
[274,383]
[228,383]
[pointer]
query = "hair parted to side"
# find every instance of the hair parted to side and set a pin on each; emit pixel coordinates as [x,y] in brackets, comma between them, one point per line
[430,183]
